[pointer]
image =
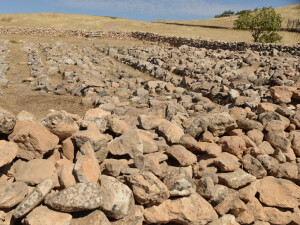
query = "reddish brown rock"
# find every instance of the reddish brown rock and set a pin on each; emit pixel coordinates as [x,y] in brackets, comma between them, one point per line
[8,151]
[33,140]
[7,122]
[281,94]
[181,155]
[233,144]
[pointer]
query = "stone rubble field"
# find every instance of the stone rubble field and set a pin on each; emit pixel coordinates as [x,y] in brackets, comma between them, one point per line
[174,135]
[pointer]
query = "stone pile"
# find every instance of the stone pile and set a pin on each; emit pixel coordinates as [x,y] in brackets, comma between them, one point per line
[146,36]
[4,48]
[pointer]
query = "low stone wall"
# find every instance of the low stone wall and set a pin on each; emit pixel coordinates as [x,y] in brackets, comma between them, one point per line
[172,40]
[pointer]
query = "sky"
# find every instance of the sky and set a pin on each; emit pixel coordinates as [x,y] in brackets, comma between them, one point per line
[145,10]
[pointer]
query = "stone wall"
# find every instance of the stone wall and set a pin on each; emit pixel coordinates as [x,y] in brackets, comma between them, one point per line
[172,40]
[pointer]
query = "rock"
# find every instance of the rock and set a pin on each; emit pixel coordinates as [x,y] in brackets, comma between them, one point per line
[227,162]
[278,141]
[275,216]
[118,126]
[179,181]
[236,179]
[79,197]
[233,144]
[34,198]
[44,215]
[256,136]
[247,124]
[26,116]
[8,151]
[149,145]
[295,119]
[98,117]
[253,166]
[151,162]
[219,123]
[7,122]
[187,210]
[237,113]
[295,136]
[117,197]
[288,171]
[227,219]
[149,122]
[12,194]
[113,167]
[94,218]
[60,124]
[266,148]
[148,189]
[136,217]
[269,163]
[66,176]
[281,94]
[205,187]
[213,149]
[33,140]
[86,169]
[189,143]
[68,149]
[129,143]
[35,171]
[287,193]
[171,132]
[181,155]
[273,121]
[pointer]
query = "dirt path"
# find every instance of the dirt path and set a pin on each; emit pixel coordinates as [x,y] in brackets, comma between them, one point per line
[18,95]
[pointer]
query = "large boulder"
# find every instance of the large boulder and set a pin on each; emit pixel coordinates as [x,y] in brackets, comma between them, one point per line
[33,140]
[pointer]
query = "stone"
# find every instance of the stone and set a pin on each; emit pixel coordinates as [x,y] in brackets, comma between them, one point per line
[12,194]
[219,123]
[68,149]
[136,217]
[129,143]
[8,151]
[26,116]
[266,148]
[273,121]
[212,149]
[295,136]
[237,113]
[66,176]
[86,169]
[256,136]
[236,179]
[44,215]
[79,197]
[189,143]
[179,181]
[170,131]
[98,117]
[269,163]
[33,140]
[34,198]
[96,217]
[227,162]
[253,166]
[151,162]
[233,144]
[187,211]
[148,189]
[149,145]
[281,94]
[7,122]
[226,219]
[295,119]
[277,217]
[181,155]
[205,187]
[149,122]
[278,141]
[287,193]
[113,167]
[60,124]
[117,126]
[117,197]
[247,124]
[288,170]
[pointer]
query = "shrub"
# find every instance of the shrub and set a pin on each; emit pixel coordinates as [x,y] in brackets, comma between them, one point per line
[225,14]
[263,24]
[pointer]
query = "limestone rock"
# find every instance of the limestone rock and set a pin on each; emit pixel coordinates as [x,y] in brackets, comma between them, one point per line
[12,194]
[187,210]
[44,215]
[8,151]
[33,140]
[181,155]
[236,179]
[117,197]
[171,132]
[79,197]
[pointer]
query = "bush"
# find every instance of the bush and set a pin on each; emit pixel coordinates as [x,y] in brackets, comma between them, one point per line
[243,11]
[225,14]
[262,23]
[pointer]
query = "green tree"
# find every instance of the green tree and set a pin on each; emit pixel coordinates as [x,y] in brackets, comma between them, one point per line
[262,23]
[225,14]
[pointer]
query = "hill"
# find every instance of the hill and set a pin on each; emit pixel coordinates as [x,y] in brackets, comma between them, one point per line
[86,22]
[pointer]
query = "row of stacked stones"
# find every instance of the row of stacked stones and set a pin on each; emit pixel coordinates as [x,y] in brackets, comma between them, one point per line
[4,48]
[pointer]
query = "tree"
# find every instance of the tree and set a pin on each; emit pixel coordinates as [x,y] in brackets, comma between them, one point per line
[225,14]
[243,11]
[262,23]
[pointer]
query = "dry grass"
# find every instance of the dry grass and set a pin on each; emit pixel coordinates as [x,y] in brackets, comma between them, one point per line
[69,21]
[291,12]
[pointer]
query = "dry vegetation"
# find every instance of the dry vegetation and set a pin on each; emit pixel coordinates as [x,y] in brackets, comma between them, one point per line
[69,21]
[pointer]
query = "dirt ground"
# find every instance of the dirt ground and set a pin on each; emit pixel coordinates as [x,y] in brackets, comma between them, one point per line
[18,95]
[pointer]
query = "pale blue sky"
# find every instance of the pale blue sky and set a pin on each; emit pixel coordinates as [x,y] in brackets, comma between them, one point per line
[147,10]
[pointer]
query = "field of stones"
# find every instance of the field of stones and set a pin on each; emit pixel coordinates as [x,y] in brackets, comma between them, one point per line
[133,132]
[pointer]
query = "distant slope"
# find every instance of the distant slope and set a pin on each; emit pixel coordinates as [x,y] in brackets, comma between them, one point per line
[291,12]
[85,22]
